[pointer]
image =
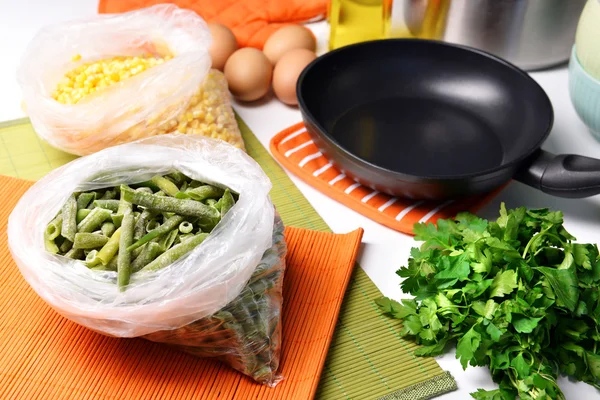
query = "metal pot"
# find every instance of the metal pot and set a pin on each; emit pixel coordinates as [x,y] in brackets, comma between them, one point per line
[531,34]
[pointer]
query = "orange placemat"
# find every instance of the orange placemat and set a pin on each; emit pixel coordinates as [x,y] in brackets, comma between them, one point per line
[252,21]
[295,150]
[45,356]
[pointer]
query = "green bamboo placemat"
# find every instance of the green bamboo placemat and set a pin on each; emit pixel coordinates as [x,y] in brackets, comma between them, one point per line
[367,358]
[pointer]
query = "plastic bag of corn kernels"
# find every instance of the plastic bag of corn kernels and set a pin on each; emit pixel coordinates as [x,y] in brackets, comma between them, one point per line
[115,78]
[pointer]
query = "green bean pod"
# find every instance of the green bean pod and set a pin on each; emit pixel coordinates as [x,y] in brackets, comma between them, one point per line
[112,205]
[109,194]
[84,199]
[108,251]
[175,253]
[69,216]
[178,177]
[227,202]
[81,214]
[150,252]
[49,244]
[108,228]
[167,226]
[75,254]
[86,241]
[186,227]
[91,259]
[169,204]
[94,220]
[54,227]
[204,192]
[124,256]
[165,185]
[168,239]
[65,246]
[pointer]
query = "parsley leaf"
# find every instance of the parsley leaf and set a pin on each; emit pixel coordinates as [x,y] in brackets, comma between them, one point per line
[517,294]
[504,283]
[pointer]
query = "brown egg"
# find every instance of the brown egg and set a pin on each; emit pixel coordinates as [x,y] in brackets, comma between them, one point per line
[288,38]
[248,73]
[287,71]
[223,45]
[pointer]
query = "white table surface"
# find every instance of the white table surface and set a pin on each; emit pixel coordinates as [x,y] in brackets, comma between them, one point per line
[383,249]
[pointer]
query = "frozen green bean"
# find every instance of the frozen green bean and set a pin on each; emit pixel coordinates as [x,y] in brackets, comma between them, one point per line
[144,189]
[178,177]
[124,256]
[91,259]
[140,225]
[74,253]
[84,199]
[89,240]
[150,252]
[111,266]
[165,185]
[204,192]
[81,214]
[49,244]
[169,204]
[167,226]
[138,251]
[146,184]
[227,202]
[111,247]
[69,218]
[54,227]
[151,225]
[167,241]
[112,205]
[109,194]
[124,205]
[108,228]
[65,246]
[213,203]
[94,220]
[186,236]
[186,227]
[175,253]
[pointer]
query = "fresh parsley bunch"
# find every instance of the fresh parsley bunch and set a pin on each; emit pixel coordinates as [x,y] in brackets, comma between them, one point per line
[517,295]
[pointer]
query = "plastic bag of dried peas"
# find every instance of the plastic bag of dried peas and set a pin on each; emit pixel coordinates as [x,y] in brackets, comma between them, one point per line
[220,297]
[115,78]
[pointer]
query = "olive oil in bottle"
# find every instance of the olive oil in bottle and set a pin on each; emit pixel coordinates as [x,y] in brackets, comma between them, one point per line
[353,21]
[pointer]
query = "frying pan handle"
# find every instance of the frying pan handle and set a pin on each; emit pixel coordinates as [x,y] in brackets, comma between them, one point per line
[563,175]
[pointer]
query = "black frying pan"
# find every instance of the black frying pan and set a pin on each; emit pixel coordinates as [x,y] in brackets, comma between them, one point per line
[432,120]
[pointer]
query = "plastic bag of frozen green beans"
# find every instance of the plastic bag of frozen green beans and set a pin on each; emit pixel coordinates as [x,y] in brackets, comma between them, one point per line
[222,299]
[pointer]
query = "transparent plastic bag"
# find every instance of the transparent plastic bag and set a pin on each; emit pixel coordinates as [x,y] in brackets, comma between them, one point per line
[137,107]
[245,334]
[195,286]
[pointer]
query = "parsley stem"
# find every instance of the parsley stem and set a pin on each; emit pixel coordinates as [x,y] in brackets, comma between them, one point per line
[541,234]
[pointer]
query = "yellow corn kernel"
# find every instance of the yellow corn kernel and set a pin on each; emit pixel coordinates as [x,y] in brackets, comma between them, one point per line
[76,57]
[99,75]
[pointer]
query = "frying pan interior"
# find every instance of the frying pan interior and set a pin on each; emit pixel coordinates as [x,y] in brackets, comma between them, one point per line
[426,109]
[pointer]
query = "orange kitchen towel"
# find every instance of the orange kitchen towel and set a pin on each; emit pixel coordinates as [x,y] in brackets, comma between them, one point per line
[252,21]
[295,150]
[45,356]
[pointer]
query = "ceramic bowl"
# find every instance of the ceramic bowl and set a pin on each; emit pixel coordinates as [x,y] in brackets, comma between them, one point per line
[584,90]
[587,38]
